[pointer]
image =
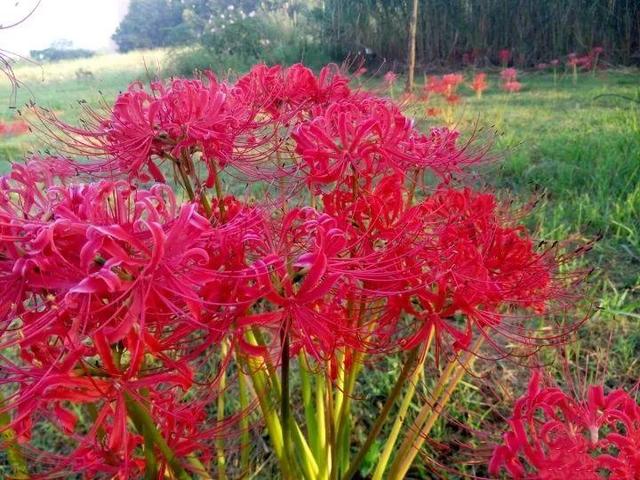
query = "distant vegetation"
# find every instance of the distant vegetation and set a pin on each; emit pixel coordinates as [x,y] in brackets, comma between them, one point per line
[60,50]
[55,54]
[452,33]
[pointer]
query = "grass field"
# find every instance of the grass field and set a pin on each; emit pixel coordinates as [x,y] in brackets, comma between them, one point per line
[574,147]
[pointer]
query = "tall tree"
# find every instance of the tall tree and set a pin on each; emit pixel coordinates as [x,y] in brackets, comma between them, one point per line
[149,24]
[411,61]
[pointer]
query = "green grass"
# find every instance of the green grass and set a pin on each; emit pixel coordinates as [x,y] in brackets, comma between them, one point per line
[575,150]
[55,86]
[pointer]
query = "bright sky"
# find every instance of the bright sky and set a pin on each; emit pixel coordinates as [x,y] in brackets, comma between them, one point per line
[87,23]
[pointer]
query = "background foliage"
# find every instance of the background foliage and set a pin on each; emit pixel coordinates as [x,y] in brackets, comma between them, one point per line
[448,30]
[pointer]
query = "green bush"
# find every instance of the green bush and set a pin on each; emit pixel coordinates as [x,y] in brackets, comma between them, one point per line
[235,40]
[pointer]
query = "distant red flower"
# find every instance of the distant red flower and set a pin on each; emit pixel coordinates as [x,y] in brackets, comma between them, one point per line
[512,86]
[12,129]
[432,112]
[446,86]
[509,74]
[479,83]
[390,79]
[509,80]
[504,55]
[555,436]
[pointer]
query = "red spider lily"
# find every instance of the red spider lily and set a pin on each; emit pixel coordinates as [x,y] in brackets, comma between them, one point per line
[509,74]
[573,59]
[12,129]
[479,83]
[555,62]
[490,267]
[352,134]
[555,436]
[433,84]
[432,112]
[512,86]
[445,86]
[504,55]
[439,151]
[170,123]
[279,91]
[509,80]
[390,79]
[106,281]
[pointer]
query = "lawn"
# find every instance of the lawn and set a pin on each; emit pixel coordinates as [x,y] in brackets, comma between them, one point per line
[573,148]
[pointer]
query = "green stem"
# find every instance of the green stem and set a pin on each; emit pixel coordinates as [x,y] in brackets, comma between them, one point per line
[284,397]
[244,425]
[255,335]
[185,180]
[429,414]
[344,417]
[141,416]
[199,468]
[307,401]
[390,443]
[222,474]
[321,422]
[382,416]
[260,381]
[331,434]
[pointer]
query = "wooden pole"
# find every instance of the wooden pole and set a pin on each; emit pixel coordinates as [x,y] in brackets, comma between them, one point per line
[411,63]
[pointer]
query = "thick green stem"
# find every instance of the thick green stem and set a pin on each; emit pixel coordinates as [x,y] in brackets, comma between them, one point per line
[244,426]
[255,335]
[186,182]
[431,412]
[382,416]
[284,396]
[141,416]
[308,403]
[321,422]
[390,443]
[222,474]
[344,416]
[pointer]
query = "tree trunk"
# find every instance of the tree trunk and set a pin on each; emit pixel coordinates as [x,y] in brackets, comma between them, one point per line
[411,63]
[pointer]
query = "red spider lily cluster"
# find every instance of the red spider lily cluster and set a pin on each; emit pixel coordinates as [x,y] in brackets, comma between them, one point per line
[446,86]
[479,83]
[12,129]
[556,436]
[510,83]
[118,294]
[587,61]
